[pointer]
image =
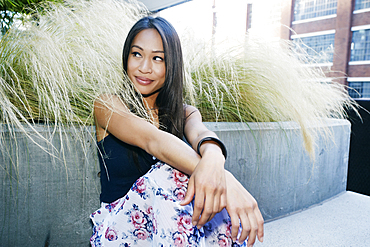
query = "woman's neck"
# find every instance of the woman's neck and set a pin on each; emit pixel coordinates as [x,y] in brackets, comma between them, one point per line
[150,104]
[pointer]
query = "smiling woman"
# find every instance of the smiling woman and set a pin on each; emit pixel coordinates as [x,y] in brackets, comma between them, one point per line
[146,64]
[55,67]
[149,175]
[168,102]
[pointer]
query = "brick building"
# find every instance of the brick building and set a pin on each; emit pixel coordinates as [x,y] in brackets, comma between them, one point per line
[338,29]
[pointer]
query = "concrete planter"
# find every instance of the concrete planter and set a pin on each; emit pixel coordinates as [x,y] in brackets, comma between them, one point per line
[46,198]
[270,161]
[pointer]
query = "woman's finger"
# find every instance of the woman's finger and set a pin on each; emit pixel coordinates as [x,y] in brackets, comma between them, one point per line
[246,228]
[207,210]
[235,224]
[216,208]
[260,222]
[198,206]
[189,195]
[253,228]
[223,202]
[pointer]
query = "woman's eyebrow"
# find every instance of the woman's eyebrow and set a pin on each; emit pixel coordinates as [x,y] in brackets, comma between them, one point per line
[154,51]
[137,47]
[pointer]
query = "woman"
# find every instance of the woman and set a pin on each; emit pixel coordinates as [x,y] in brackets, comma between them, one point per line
[146,197]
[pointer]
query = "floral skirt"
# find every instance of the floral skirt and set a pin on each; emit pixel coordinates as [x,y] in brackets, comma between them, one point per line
[150,214]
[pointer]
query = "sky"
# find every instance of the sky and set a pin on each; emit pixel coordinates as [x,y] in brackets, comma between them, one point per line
[196,17]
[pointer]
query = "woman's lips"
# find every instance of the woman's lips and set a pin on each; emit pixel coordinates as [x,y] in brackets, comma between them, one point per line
[143,80]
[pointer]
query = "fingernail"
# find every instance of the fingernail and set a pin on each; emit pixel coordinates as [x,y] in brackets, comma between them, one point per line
[195,223]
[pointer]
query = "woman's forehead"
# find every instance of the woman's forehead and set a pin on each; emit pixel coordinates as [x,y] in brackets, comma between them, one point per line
[148,39]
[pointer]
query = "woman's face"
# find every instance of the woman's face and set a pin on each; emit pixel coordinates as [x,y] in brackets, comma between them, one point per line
[145,66]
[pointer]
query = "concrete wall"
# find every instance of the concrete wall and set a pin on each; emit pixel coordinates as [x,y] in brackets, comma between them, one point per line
[46,200]
[42,198]
[272,164]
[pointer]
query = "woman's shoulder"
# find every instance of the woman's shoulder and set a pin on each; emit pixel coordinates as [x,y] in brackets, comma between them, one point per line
[189,110]
[107,98]
[105,105]
[110,102]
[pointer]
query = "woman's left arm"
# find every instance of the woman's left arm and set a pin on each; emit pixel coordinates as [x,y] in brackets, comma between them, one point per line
[209,171]
[240,204]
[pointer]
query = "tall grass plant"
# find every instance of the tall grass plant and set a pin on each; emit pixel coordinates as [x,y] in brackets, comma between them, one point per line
[53,68]
[264,81]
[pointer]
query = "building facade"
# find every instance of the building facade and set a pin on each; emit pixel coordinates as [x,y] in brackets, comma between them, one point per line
[338,33]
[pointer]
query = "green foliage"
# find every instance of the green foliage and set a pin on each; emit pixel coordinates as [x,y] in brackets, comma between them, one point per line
[19,6]
[11,9]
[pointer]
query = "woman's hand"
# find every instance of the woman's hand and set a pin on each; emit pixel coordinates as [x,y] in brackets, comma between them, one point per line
[243,211]
[208,184]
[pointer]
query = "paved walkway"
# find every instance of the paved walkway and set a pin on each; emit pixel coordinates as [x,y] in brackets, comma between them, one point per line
[341,221]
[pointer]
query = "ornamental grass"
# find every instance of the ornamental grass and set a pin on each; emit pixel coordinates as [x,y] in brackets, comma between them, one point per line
[54,65]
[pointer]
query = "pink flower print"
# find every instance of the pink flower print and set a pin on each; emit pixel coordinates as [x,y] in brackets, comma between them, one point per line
[112,205]
[180,178]
[180,193]
[95,213]
[154,223]
[140,184]
[111,234]
[141,234]
[228,229]
[223,241]
[180,240]
[137,218]
[184,224]
[115,203]
[149,210]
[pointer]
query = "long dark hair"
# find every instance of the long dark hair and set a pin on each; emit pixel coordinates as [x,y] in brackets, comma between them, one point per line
[169,100]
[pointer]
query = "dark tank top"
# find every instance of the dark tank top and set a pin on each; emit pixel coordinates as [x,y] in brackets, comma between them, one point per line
[121,165]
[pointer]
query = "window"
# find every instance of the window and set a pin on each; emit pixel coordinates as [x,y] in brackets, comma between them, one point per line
[359,89]
[360,47]
[320,47]
[307,9]
[362,4]
[249,16]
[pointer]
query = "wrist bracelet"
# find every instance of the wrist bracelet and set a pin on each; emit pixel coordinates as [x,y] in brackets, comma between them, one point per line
[218,141]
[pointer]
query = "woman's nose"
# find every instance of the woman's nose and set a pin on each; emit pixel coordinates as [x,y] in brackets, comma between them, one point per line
[145,66]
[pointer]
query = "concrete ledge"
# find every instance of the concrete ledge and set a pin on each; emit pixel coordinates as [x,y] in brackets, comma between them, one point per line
[47,195]
[270,161]
[50,195]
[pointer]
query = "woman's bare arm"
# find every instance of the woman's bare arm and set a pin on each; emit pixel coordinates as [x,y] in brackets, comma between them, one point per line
[113,117]
[209,174]
[240,204]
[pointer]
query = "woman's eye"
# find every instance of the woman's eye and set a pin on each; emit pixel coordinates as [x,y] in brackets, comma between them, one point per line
[156,58]
[136,54]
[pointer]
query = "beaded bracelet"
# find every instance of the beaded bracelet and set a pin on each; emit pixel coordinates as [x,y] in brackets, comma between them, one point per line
[218,141]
